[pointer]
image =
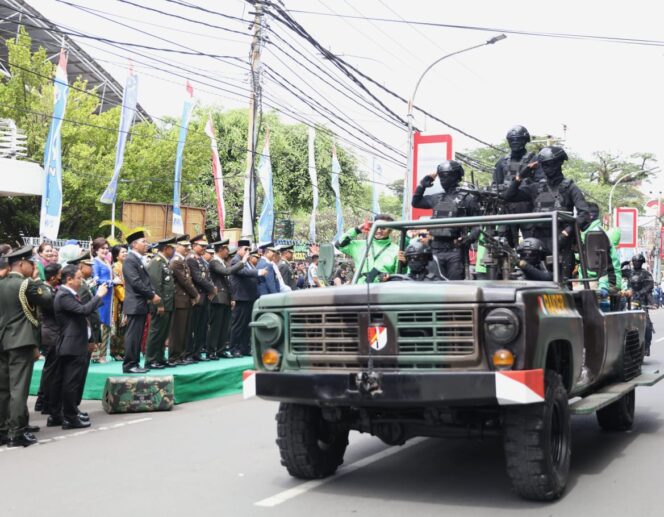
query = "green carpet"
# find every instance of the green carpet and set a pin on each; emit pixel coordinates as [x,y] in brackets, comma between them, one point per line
[199,381]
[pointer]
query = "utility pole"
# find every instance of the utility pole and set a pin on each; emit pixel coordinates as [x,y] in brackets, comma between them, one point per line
[248,209]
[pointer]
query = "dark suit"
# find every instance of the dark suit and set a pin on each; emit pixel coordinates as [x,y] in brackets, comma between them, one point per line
[220,306]
[185,293]
[198,321]
[138,291]
[287,274]
[267,284]
[50,334]
[72,351]
[245,293]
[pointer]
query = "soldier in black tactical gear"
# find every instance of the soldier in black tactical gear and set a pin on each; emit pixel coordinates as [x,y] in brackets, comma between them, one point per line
[449,245]
[553,192]
[641,285]
[506,170]
[531,256]
[422,265]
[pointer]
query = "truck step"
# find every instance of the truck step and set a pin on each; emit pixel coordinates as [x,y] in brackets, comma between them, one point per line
[609,394]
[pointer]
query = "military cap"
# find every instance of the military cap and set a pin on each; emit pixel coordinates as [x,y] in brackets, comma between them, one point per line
[285,247]
[183,240]
[219,244]
[83,259]
[232,251]
[265,245]
[160,245]
[275,249]
[243,242]
[254,253]
[199,239]
[140,234]
[24,253]
[209,250]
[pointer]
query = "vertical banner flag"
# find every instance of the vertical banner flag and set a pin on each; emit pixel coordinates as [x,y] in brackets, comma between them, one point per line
[216,173]
[336,170]
[376,174]
[178,225]
[51,206]
[266,221]
[126,120]
[314,184]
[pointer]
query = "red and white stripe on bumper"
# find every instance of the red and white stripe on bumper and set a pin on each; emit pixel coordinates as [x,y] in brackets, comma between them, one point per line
[519,387]
[248,384]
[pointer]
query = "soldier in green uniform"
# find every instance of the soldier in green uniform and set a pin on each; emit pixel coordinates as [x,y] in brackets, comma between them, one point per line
[19,345]
[161,277]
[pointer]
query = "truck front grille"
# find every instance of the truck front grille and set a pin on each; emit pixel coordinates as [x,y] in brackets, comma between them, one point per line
[448,333]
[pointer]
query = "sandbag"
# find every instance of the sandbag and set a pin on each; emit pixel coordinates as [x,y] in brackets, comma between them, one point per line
[138,394]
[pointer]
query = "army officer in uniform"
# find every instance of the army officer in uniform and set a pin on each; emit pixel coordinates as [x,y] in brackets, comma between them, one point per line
[161,277]
[186,296]
[19,345]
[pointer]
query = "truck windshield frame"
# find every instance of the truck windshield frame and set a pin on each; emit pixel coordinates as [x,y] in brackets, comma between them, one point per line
[554,218]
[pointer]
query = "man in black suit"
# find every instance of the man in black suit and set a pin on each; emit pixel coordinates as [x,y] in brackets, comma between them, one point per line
[138,292]
[245,292]
[72,349]
[220,305]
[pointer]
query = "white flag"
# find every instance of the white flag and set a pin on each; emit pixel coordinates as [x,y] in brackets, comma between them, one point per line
[314,184]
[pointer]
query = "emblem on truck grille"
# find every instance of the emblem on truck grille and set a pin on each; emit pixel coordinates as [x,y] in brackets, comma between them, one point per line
[377,337]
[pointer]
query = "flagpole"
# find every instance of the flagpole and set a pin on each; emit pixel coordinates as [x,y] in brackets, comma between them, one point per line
[113,220]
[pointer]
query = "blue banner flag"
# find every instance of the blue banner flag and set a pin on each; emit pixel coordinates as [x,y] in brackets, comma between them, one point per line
[51,206]
[336,170]
[126,120]
[266,221]
[178,225]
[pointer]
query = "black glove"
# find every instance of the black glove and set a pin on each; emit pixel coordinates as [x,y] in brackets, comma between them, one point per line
[426,181]
[526,172]
[562,240]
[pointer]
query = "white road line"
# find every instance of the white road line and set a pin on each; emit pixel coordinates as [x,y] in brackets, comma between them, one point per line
[284,496]
[659,340]
[138,421]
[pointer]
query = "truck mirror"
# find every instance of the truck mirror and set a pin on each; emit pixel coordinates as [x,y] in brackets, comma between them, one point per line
[326,260]
[597,247]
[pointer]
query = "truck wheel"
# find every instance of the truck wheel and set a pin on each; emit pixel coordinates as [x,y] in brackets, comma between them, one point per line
[618,416]
[310,447]
[538,444]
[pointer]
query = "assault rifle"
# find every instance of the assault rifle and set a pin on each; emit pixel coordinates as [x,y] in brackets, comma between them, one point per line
[499,256]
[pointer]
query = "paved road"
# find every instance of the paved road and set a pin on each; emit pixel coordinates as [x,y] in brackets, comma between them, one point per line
[218,457]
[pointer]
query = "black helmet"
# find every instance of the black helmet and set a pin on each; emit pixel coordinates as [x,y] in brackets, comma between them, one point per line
[450,167]
[531,250]
[638,259]
[553,154]
[518,133]
[416,248]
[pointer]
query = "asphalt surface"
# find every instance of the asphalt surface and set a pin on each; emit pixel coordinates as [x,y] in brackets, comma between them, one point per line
[218,457]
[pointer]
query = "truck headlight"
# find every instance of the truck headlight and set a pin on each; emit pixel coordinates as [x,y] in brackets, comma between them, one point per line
[501,326]
[267,329]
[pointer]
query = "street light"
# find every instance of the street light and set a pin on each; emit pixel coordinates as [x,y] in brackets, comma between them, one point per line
[411,104]
[620,178]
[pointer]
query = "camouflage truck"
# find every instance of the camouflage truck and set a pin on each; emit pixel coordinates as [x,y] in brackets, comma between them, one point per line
[450,358]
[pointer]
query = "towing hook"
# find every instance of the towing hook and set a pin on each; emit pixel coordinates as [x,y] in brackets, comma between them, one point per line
[368,383]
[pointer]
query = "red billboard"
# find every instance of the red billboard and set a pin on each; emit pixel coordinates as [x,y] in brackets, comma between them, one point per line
[428,152]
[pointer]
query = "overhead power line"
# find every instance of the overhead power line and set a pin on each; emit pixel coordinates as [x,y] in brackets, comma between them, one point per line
[563,35]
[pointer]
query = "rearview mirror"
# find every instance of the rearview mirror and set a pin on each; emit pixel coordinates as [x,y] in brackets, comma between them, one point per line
[597,248]
[325,260]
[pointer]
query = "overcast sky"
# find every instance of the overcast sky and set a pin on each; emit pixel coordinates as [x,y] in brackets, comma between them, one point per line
[608,95]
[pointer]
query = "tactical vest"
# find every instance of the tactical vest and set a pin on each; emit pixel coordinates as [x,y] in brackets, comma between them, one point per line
[552,198]
[512,167]
[449,205]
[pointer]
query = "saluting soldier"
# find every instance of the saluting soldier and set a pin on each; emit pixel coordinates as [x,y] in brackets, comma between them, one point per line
[220,306]
[198,321]
[186,296]
[161,313]
[19,345]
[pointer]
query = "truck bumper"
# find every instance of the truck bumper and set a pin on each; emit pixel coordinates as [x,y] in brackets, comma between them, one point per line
[392,389]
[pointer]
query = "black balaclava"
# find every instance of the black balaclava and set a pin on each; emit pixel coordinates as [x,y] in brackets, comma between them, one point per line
[553,171]
[417,263]
[517,147]
[448,181]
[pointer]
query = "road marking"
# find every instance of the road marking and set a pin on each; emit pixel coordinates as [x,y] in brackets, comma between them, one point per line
[138,421]
[284,496]
[659,340]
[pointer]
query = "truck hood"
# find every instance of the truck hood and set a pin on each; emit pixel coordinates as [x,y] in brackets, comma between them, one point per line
[404,293]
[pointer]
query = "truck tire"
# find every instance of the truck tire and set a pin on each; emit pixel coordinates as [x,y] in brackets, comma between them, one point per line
[310,447]
[618,416]
[538,443]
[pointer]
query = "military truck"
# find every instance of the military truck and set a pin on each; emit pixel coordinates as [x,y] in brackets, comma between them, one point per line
[451,358]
